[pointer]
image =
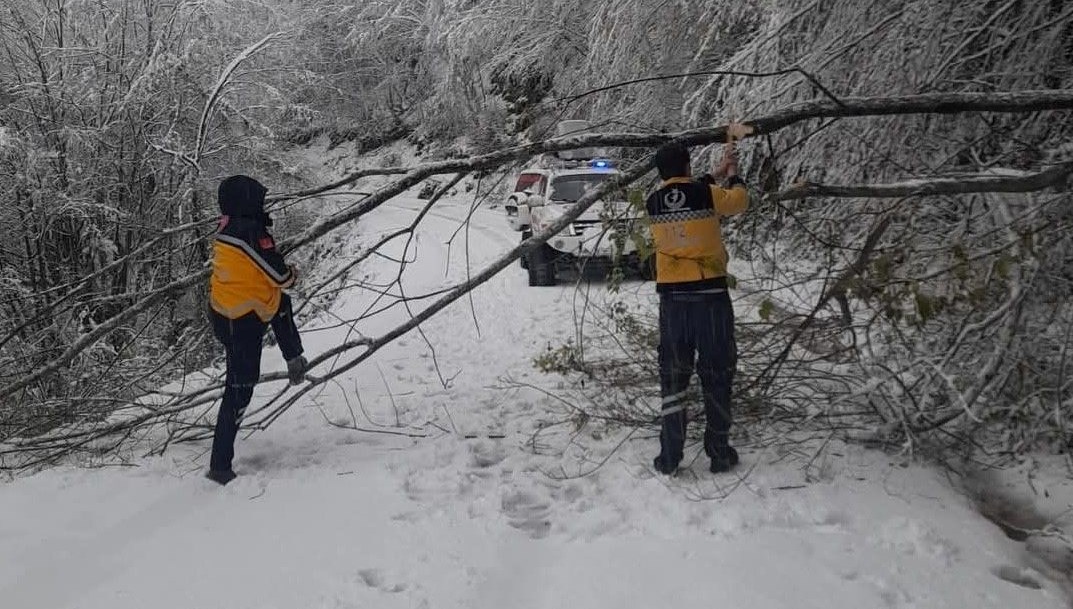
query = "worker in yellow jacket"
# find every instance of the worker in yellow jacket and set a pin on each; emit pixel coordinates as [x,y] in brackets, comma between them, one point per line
[245,297]
[696,318]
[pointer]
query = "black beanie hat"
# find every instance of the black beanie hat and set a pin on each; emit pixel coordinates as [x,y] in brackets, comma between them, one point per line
[242,196]
[672,161]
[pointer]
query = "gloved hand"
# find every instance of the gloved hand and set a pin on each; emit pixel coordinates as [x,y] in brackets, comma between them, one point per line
[728,165]
[296,369]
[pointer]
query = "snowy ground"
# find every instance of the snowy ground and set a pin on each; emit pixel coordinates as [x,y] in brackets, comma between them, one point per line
[324,517]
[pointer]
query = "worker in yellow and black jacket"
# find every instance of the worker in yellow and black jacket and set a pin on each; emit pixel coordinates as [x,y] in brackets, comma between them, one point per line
[696,318]
[245,297]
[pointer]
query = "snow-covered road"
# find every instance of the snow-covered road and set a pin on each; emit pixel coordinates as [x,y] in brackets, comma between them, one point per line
[328,517]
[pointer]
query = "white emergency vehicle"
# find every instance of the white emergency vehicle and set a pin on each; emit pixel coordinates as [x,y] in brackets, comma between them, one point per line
[544,191]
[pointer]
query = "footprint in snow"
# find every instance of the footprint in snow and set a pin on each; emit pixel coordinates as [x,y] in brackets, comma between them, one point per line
[374,578]
[415,489]
[892,595]
[486,454]
[527,512]
[1026,578]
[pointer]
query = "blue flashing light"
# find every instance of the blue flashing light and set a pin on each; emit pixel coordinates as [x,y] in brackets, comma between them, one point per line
[601,164]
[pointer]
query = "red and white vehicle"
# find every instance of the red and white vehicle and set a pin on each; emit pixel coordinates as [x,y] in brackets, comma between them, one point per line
[545,191]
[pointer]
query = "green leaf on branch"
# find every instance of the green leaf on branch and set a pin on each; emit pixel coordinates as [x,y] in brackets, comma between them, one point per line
[766,309]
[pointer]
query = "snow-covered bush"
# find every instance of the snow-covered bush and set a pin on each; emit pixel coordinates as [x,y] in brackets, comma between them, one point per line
[106,149]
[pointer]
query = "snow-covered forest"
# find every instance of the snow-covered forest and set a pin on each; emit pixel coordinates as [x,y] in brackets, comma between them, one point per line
[902,281]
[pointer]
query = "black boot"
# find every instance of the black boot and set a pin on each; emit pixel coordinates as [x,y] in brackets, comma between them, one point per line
[221,477]
[664,466]
[725,457]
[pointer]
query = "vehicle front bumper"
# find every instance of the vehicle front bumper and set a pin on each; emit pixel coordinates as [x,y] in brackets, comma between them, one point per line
[591,244]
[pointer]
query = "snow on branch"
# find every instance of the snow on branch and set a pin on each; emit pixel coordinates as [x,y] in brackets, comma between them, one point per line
[940,103]
[630,175]
[104,329]
[1056,177]
[846,107]
[214,96]
[944,103]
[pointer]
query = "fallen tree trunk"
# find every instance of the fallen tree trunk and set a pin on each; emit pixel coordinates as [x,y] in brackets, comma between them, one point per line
[848,107]
[1030,101]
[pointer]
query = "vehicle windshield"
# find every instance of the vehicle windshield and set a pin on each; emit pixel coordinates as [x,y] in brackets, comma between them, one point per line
[568,189]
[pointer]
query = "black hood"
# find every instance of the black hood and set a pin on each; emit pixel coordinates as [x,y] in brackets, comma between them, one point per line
[242,196]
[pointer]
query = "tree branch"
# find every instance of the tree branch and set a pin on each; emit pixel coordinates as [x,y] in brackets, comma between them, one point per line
[1054,177]
[938,103]
[214,96]
[632,174]
[932,103]
[618,85]
[839,286]
[92,337]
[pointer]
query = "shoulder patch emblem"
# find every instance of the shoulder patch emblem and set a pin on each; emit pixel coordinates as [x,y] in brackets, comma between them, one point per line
[674,199]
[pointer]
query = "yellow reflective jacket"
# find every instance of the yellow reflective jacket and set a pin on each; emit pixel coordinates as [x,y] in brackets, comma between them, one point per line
[248,273]
[690,255]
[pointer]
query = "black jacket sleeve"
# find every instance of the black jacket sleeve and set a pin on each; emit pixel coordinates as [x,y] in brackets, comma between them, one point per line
[286,331]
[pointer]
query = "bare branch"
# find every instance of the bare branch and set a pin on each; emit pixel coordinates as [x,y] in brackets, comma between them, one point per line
[795,70]
[933,103]
[214,96]
[1055,177]
[944,103]
[105,328]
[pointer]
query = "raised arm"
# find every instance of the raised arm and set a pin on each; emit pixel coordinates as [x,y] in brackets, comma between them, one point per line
[731,198]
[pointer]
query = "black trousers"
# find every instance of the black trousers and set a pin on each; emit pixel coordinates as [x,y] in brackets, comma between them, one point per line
[696,333]
[243,341]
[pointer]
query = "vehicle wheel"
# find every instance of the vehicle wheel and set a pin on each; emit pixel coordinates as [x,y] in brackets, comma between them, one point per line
[524,260]
[646,269]
[541,266]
